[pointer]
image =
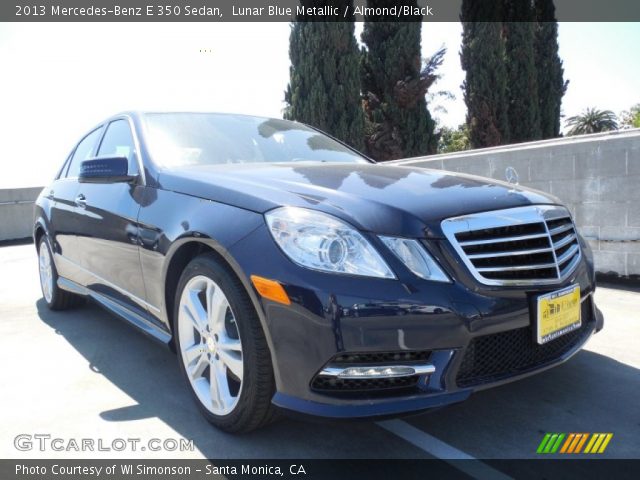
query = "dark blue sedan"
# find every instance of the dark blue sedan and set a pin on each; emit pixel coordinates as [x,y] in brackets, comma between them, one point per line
[291,273]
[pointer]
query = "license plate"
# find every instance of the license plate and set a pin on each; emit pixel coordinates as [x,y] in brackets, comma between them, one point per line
[558,313]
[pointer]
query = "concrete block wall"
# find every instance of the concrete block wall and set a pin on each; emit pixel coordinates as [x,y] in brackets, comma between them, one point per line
[596,176]
[16,212]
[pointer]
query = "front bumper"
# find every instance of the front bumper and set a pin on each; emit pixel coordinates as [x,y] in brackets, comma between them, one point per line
[459,325]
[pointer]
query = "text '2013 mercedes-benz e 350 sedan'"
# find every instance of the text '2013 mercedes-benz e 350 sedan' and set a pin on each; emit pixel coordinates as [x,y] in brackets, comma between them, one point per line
[291,273]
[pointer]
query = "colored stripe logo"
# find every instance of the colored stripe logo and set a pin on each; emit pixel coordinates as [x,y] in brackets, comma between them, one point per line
[574,443]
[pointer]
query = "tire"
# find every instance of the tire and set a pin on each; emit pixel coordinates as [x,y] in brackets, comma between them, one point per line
[219,338]
[54,296]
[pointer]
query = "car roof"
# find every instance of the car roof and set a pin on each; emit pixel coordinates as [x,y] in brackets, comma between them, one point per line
[141,113]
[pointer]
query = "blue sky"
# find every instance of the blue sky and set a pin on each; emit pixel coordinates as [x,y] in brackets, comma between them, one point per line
[601,62]
[61,78]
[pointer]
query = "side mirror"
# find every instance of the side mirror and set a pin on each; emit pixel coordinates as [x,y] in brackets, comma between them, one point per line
[105,170]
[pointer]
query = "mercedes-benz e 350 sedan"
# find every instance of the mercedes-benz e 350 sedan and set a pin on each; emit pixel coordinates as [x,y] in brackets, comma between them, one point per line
[289,272]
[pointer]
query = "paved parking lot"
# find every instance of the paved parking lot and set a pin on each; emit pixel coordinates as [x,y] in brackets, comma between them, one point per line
[85,374]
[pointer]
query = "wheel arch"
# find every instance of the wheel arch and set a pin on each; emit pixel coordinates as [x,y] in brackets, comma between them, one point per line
[185,250]
[39,231]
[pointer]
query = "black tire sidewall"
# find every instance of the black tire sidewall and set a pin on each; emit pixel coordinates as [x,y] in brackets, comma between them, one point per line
[245,317]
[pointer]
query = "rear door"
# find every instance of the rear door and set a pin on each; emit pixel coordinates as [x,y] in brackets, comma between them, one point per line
[107,240]
[63,193]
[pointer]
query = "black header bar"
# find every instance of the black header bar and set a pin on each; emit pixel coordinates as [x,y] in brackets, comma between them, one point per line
[297,469]
[285,11]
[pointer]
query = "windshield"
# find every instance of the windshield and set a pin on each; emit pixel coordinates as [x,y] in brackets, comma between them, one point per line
[181,139]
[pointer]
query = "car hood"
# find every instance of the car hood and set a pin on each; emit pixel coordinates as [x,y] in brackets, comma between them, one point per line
[385,199]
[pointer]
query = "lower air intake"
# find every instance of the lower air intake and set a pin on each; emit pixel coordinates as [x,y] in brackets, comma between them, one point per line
[490,358]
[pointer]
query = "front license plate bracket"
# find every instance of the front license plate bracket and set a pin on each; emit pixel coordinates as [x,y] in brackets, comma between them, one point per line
[557,313]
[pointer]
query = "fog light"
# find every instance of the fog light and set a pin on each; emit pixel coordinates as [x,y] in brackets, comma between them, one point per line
[370,372]
[382,371]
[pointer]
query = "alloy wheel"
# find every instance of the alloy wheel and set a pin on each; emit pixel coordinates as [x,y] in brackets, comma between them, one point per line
[46,272]
[210,345]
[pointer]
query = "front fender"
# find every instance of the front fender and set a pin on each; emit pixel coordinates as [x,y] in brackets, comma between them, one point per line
[41,217]
[174,226]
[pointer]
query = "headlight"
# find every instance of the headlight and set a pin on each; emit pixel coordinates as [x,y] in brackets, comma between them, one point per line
[416,258]
[322,242]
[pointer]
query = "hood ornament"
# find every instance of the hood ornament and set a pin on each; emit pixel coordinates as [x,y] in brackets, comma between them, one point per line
[511,174]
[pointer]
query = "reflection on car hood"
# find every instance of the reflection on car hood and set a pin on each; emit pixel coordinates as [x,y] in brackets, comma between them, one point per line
[375,197]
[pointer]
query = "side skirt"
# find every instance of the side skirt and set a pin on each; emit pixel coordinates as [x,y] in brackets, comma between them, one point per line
[140,322]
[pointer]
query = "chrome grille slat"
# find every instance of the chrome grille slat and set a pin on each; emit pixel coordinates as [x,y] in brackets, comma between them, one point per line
[538,266]
[568,254]
[563,228]
[565,241]
[570,266]
[503,239]
[534,245]
[509,253]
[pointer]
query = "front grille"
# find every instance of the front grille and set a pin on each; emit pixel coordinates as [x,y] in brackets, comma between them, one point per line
[371,387]
[493,357]
[519,246]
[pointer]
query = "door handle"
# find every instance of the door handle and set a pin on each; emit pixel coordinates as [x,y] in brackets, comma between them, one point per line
[81,201]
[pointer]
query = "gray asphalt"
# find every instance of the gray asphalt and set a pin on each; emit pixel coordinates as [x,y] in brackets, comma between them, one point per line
[85,374]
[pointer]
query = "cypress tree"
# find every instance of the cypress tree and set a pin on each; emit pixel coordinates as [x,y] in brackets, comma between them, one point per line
[485,85]
[551,83]
[394,85]
[324,85]
[522,82]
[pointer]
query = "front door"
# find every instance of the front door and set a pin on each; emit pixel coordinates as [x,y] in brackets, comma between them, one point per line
[107,237]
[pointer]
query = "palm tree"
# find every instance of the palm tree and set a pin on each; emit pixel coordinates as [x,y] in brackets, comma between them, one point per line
[592,120]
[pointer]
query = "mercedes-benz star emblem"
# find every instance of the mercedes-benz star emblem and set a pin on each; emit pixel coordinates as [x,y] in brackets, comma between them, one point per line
[511,174]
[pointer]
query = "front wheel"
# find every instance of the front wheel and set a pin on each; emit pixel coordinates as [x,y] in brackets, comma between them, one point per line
[222,350]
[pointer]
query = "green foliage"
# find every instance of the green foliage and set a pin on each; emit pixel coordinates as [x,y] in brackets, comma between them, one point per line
[522,83]
[514,77]
[631,117]
[551,83]
[592,120]
[485,85]
[394,84]
[324,85]
[454,140]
